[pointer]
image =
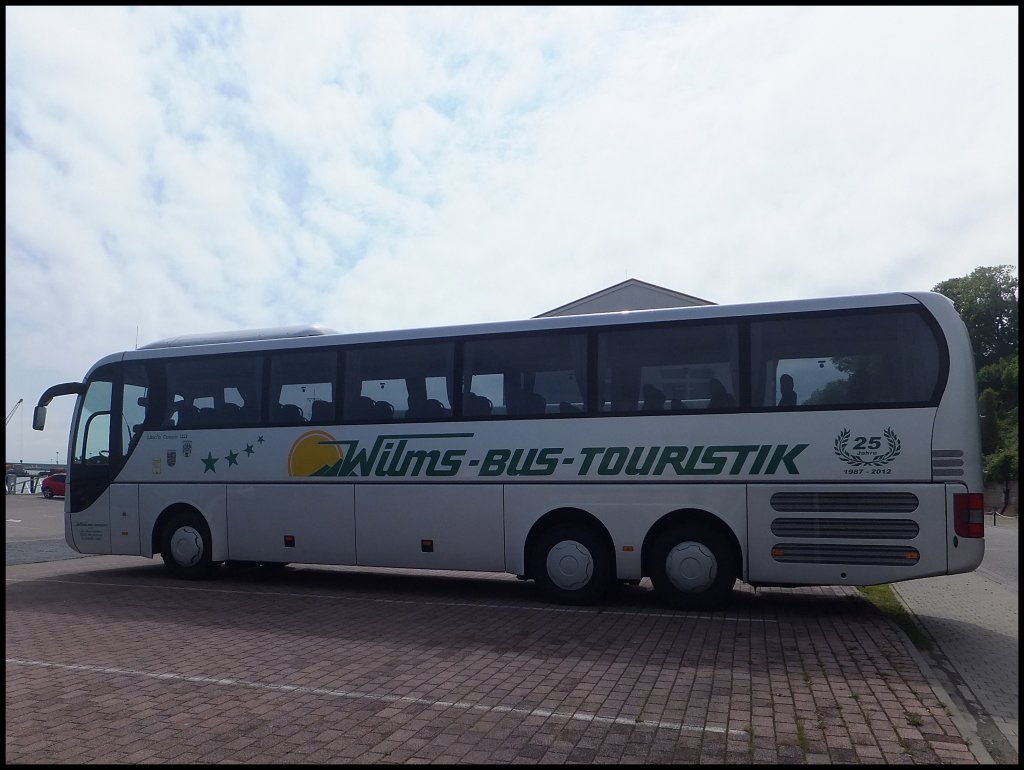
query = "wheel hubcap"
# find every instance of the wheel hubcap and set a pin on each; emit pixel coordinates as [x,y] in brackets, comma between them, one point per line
[691,567]
[570,565]
[187,546]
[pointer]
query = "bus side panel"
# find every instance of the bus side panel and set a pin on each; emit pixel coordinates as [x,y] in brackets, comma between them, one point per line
[88,531]
[302,523]
[435,526]
[627,512]
[853,534]
[124,519]
[208,499]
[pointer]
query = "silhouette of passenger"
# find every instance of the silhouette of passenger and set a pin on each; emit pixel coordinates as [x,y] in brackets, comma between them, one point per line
[654,399]
[720,397]
[788,394]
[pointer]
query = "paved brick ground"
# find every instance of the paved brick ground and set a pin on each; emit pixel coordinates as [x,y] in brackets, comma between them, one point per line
[975,622]
[110,660]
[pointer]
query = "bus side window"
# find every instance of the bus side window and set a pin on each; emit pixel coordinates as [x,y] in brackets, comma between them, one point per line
[409,381]
[201,389]
[135,405]
[302,386]
[639,368]
[522,377]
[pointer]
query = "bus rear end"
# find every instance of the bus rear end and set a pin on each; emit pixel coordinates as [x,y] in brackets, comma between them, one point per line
[956,444]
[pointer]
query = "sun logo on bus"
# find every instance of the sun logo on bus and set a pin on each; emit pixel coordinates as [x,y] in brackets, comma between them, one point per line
[309,454]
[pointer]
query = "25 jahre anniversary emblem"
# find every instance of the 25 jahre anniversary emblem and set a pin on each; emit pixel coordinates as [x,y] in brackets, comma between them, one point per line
[867,451]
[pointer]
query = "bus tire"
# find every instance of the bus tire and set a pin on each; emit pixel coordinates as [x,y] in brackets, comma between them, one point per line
[186,546]
[571,565]
[693,567]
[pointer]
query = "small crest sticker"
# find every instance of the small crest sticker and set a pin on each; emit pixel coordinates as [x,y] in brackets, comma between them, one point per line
[186,448]
[172,458]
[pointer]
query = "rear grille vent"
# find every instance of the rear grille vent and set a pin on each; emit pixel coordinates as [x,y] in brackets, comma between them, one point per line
[865,529]
[844,502]
[882,555]
[947,462]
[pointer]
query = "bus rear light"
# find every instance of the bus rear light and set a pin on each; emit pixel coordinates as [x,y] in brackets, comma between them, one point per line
[969,514]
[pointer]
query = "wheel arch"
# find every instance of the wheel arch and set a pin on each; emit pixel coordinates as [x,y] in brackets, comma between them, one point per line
[166,514]
[689,516]
[568,516]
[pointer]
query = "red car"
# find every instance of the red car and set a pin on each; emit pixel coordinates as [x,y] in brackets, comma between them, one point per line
[53,486]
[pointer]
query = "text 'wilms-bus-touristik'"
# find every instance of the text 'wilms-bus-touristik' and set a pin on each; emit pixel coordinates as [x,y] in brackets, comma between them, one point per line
[810,442]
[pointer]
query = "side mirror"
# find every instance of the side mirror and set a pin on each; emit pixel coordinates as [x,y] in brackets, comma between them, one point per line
[39,418]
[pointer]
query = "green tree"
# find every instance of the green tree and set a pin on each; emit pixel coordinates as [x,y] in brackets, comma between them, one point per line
[1002,377]
[987,300]
[988,412]
[1003,465]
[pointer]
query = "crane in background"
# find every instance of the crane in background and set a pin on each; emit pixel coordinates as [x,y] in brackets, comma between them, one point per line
[14,409]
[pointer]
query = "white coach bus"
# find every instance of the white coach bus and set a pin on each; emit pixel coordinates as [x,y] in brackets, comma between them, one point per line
[812,442]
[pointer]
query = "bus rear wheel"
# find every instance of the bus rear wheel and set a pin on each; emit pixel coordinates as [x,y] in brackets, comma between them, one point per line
[693,567]
[186,546]
[571,565]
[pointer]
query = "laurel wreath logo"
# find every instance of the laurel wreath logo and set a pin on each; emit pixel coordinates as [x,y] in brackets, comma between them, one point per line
[843,439]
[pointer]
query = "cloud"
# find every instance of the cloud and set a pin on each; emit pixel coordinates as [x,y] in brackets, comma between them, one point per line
[178,170]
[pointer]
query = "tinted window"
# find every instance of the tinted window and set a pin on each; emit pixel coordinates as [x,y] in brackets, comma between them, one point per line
[391,382]
[844,359]
[302,387]
[134,405]
[206,392]
[692,367]
[527,376]
[92,436]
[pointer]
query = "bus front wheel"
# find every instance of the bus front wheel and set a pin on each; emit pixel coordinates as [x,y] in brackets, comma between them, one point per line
[186,546]
[571,565]
[693,567]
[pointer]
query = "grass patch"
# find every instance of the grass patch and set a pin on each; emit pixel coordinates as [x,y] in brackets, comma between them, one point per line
[801,737]
[884,598]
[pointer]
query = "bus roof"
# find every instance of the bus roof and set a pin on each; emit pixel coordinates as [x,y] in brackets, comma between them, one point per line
[252,335]
[316,336]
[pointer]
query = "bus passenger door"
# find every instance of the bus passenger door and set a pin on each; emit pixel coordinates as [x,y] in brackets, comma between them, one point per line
[124,519]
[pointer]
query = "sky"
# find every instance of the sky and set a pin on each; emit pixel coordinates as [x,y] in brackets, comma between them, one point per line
[178,170]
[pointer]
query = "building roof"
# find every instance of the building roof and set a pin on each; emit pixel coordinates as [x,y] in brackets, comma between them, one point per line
[631,294]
